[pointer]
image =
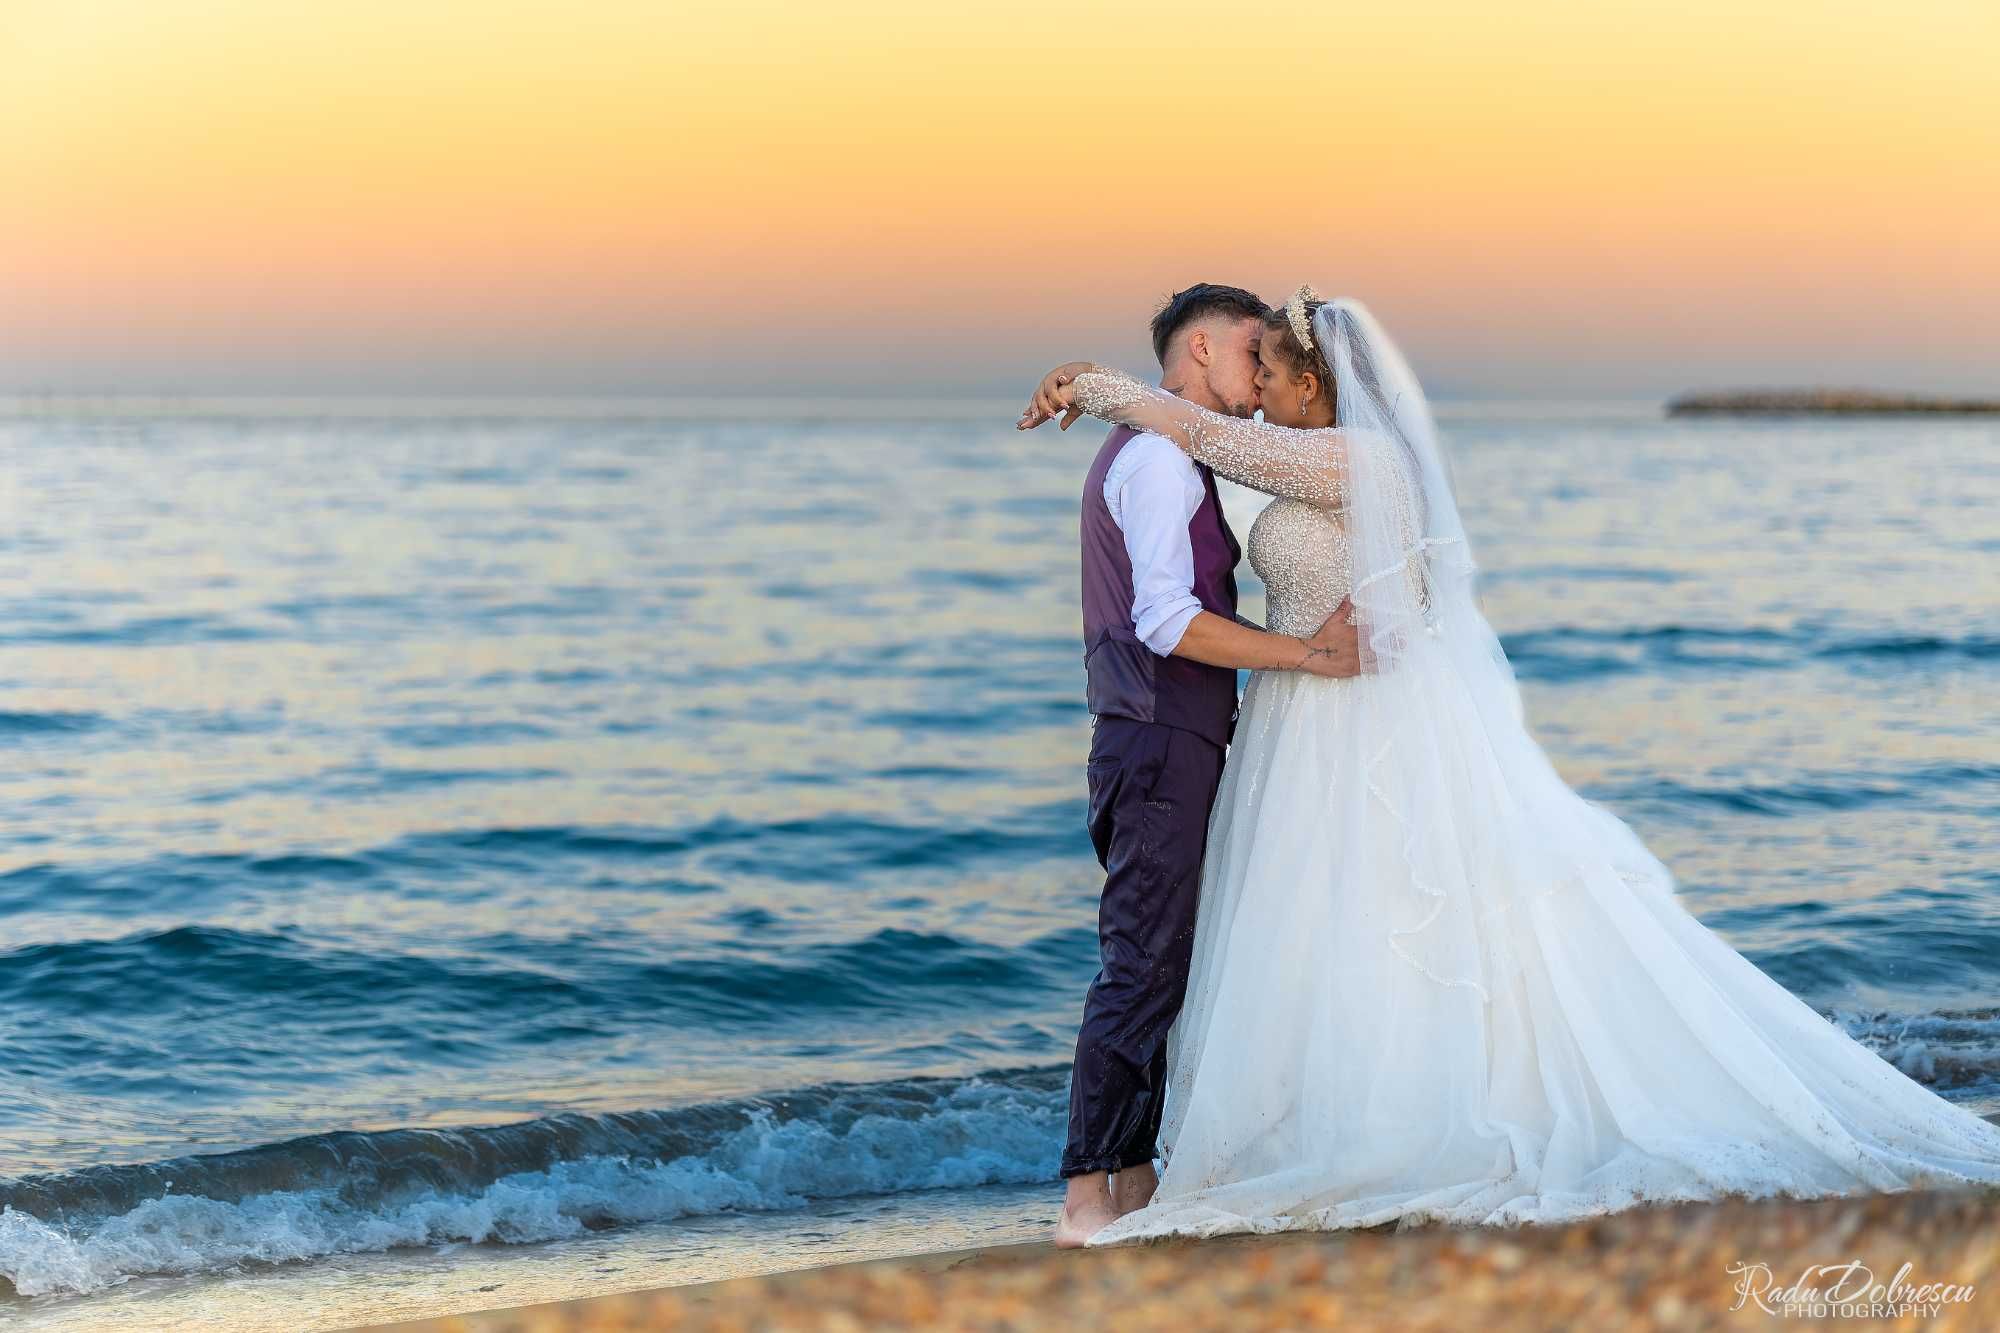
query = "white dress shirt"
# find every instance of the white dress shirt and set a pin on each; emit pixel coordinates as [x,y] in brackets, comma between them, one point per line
[1152,490]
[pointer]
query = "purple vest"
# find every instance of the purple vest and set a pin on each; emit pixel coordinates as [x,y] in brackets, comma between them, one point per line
[1123,677]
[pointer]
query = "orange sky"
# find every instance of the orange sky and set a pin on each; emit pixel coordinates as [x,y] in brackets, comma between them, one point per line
[274,195]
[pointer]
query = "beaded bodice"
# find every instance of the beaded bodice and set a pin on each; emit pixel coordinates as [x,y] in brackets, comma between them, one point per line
[1300,552]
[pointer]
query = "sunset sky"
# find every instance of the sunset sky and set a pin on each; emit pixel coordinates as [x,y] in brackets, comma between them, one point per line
[1540,200]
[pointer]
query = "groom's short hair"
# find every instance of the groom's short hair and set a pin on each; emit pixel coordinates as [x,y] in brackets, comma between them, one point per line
[1199,302]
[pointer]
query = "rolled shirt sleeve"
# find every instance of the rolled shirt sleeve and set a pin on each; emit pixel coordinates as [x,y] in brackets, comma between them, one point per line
[1153,491]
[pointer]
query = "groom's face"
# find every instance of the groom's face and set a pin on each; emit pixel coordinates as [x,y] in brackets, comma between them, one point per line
[1232,364]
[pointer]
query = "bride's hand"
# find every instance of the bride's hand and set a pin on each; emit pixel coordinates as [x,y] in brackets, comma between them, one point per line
[1055,397]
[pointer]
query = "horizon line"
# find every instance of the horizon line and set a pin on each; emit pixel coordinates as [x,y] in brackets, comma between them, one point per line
[851,406]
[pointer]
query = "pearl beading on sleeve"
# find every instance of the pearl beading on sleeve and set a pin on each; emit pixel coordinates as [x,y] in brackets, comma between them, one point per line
[1308,465]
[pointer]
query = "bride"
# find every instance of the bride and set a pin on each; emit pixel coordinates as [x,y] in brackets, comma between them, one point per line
[1430,981]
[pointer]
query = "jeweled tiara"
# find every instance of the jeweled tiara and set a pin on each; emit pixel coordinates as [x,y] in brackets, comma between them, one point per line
[1295,311]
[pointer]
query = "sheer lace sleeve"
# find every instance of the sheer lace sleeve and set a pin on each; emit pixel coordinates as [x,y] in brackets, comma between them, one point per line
[1309,465]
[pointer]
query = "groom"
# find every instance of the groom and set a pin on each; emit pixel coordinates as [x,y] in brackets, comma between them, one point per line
[1162,643]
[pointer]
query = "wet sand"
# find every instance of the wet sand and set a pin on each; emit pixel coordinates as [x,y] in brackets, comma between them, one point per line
[1647,1268]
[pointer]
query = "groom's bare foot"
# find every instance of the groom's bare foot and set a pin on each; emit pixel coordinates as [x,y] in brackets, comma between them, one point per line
[1087,1209]
[1132,1188]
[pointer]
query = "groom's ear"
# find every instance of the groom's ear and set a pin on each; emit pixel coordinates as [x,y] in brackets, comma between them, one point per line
[1198,346]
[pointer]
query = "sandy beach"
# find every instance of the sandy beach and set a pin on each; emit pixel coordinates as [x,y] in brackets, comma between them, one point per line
[1687,1267]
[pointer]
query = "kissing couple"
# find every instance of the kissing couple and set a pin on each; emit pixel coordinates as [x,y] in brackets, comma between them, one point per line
[1365,957]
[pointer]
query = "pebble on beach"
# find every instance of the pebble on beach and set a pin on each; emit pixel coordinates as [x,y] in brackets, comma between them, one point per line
[1646,1268]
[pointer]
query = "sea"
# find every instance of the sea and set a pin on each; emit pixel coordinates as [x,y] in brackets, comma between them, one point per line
[459,854]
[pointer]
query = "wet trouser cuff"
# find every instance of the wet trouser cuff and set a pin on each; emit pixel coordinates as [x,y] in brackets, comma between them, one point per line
[1084,1166]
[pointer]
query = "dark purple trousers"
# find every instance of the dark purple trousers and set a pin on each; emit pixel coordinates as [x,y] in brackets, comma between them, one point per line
[1151,788]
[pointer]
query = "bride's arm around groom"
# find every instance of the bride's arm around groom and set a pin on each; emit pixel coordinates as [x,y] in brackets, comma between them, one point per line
[1309,470]
[1297,464]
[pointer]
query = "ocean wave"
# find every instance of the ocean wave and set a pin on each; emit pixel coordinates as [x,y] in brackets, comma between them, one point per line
[444,735]
[561,1176]
[1903,646]
[596,980]
[1949,1050]
[14,725]
[1569,653]
[826,849]
[145,631]
[542,1180]
[1810,792]
[1945,945]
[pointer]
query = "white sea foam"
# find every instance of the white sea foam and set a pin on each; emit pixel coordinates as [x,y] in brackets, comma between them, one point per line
[977,1134]
[1951,1050]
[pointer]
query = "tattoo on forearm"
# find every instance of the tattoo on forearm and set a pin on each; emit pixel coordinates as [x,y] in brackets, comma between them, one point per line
[1312,652]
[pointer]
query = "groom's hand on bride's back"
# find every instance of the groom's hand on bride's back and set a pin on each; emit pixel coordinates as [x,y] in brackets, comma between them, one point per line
[1335,647]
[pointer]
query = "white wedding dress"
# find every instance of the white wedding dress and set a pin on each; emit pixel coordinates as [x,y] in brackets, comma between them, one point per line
[1432,983]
